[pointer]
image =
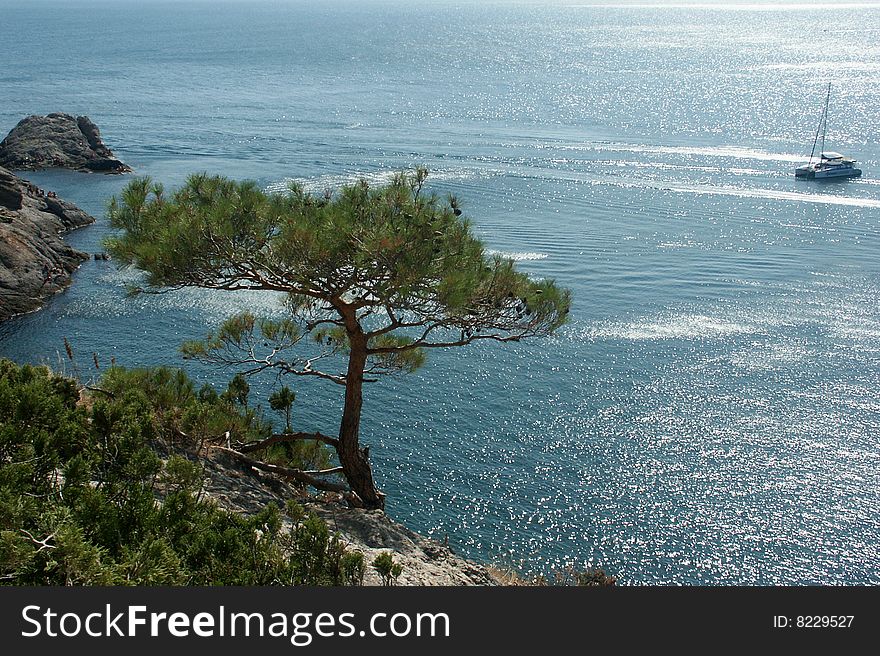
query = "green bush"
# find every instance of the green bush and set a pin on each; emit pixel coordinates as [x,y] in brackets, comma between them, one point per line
[86,500]
[386,567]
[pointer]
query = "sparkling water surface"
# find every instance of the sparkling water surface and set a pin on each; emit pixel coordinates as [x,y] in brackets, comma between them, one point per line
[709,416]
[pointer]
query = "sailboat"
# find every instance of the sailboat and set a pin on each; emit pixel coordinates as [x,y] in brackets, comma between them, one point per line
[830,164]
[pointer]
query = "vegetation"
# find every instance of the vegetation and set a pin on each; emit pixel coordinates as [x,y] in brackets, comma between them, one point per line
[507,575]
[595,577]
[372,278]
[85,498]
[282,401]
[388,570]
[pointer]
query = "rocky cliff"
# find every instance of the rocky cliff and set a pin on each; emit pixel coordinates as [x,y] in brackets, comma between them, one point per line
[35,262]
[58,140]
[425,562]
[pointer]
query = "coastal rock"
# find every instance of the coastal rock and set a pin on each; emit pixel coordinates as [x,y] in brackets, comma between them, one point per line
[58,140]
[35,262]
[426,562]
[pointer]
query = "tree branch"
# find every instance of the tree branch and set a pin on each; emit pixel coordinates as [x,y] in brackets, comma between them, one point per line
[286,472]
[281,438]
[44,543]
[308,371]
[323,472]
[102,391]
[461,342]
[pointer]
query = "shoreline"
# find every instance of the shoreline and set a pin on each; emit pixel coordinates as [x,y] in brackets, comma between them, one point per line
[426,562]
[36,262]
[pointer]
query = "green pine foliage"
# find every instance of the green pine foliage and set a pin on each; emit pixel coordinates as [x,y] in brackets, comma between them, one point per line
[387,569]
[372,278]
[86,500]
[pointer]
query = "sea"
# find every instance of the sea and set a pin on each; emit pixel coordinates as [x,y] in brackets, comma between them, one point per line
[710,414]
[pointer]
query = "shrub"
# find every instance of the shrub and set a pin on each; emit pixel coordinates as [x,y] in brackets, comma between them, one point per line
[86,500]
[386,567]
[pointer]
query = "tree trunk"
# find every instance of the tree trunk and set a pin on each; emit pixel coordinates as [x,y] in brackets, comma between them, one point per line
[354,461]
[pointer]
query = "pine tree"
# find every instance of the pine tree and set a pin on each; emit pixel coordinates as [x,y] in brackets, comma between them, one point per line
[282,401]
[373,277]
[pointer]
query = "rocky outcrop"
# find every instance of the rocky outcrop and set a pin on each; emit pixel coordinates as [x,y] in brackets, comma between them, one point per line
[425,561]
[35,262]
[58,140]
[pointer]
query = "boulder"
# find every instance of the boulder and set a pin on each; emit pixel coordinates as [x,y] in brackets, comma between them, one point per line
[35,262]
[58,140]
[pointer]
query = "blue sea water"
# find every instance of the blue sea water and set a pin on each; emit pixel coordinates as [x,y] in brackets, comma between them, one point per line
[711,413]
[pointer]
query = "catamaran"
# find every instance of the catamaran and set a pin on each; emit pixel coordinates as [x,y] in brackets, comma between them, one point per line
[830,164]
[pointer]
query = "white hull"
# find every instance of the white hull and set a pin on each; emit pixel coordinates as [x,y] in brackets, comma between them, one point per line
[841,173]
[819,173]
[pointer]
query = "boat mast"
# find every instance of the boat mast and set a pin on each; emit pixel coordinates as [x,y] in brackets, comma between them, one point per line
[823,124]
[825,120]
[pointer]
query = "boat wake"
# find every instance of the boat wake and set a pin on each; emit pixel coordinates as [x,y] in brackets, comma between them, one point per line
[773,194]
[729,152]
[317,185]
[518,257]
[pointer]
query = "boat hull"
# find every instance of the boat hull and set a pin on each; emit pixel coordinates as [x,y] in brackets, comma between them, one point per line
[833,174]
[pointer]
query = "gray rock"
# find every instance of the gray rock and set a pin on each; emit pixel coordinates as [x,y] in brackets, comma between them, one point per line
[426,562]
[35,262]
[58,140]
